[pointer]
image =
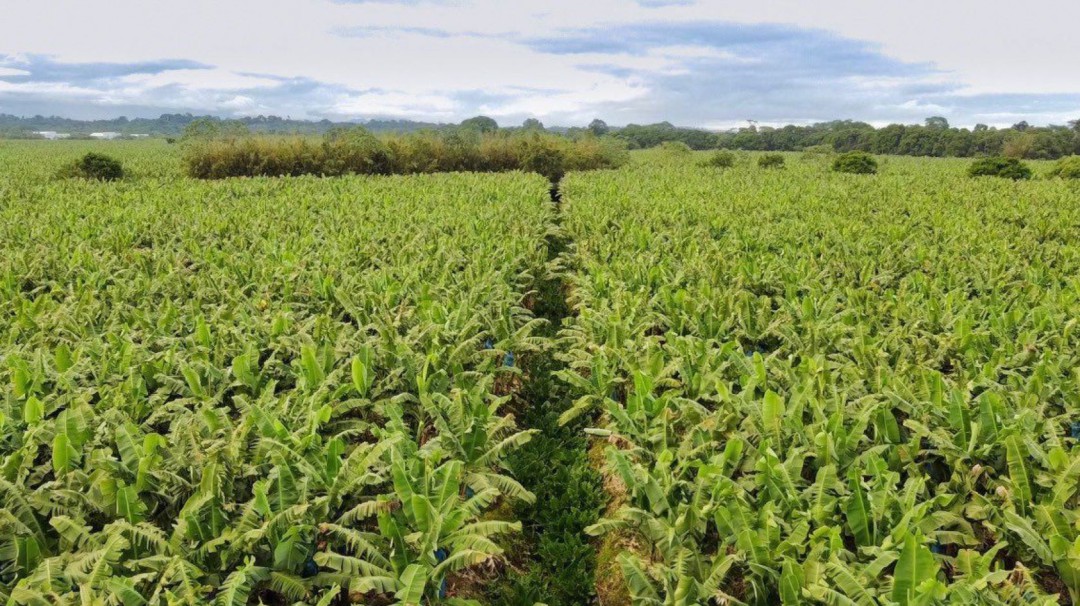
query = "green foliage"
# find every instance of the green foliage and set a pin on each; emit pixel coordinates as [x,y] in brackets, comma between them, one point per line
[720,159]
[936,138]
[545,157]
[555,465]
[356,151]
[652,135]
[532,124]
[1067,168]
[791,414]
[1006,168]
[859,163]
[302,408]
[1020,144]
[771,161]
[95,167]
[205,129]
[818,152]
[481,124]
[675,148]
[568,499]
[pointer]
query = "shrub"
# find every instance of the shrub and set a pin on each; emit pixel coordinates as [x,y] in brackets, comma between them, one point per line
[592,153]
[545,158]
[255,156]
[818,151]
[1006,168]
[855,162]
[1020,145]
[96,167]
[721,159]
[1067,168]
[771,161]
[677,148]
[354,151]
[357,151]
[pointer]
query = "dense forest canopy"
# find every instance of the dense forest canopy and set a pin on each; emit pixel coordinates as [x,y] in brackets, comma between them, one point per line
[934,138]
[168,125]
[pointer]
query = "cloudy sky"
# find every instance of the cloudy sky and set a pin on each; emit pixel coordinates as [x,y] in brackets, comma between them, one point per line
[711,63]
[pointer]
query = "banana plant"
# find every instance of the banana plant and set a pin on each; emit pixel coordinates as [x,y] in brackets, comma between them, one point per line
[423,532]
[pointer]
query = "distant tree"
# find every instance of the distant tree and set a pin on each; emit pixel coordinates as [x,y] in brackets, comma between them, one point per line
[651,135]
[677,148]
[481,124]
[937,122]
[532,124]
[1019,145]
[1021,126]
[847,139]
[211,128]
[203,128]
[600,128]
[1075,125]
[981,128]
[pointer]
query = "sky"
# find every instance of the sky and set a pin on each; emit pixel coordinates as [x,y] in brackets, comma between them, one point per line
[706,63]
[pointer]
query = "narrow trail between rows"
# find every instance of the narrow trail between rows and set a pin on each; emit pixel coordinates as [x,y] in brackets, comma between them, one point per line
[558,564]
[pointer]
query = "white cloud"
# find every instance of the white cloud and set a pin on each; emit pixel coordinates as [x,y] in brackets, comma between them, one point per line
[238,103]
[57,89]
[447,60]
[197,79]
[394,104]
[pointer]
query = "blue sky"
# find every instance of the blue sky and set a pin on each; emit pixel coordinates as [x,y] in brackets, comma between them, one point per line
[711,63]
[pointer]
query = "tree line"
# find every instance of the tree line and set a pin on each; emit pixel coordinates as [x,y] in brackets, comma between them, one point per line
[174,125]
[934,138]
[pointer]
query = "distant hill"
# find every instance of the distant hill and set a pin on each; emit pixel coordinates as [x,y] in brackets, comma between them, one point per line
[170,125]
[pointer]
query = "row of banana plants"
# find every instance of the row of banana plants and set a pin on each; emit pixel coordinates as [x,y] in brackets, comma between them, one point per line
[261,391]
[830,389]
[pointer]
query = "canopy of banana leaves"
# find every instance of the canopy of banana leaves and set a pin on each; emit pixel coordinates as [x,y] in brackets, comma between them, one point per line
[260,390]
[821,388]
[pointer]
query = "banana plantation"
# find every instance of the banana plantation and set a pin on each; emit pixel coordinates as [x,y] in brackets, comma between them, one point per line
[663,385]
[275,391]
[836,389]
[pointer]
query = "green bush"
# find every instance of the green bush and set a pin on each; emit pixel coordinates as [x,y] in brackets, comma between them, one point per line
[677,148]
[819,151]
[1006,168]
[95,167]
[721,159]
[545,158]
[855,162]
[771,161]
[356,151]
[1067,168]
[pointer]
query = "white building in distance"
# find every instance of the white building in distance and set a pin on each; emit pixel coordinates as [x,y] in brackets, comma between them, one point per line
[52,135]
[105,136]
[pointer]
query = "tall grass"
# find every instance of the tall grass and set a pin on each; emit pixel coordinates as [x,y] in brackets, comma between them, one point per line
[356,151]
